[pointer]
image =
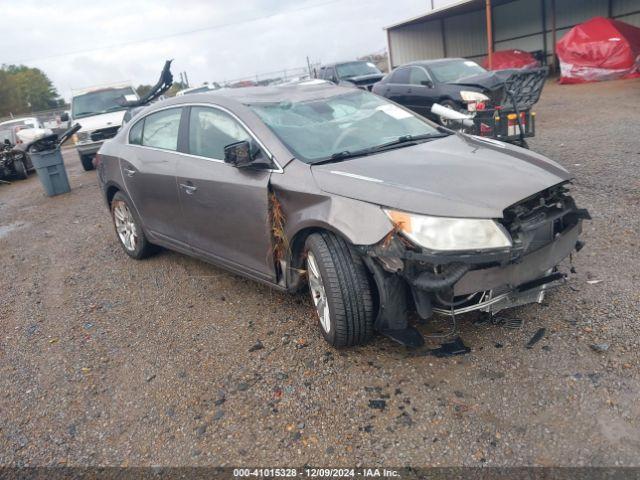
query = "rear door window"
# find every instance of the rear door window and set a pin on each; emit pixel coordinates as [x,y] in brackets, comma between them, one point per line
[210,130]
[161,129]
[135,134]
[400,76]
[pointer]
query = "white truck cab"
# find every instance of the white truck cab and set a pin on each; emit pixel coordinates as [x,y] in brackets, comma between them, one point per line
[100,111]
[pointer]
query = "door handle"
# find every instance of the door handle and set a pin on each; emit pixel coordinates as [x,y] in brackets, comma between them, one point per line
[189,189]
[129,171]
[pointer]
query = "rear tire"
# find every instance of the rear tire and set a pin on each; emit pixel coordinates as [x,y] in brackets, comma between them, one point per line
[337,273]
[129,228]
[87,162]
[20,169]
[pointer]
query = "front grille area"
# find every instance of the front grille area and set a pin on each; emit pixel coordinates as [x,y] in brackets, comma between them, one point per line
[535,221]
[496,96]
[83,136]
[104,133]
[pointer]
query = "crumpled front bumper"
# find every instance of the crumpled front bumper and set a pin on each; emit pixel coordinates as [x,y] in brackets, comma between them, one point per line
[530,267]
[412,279]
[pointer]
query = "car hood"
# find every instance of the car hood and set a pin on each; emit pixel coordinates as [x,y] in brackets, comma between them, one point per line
[365,79]
[103,120]
[457,176]
[488,80]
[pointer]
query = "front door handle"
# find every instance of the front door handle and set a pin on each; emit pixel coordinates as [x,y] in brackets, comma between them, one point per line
[188,189]
[129,171]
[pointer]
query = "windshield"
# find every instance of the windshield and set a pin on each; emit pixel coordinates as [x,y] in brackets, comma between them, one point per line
[102,101]
[454,71]
[316,130]
[356,69]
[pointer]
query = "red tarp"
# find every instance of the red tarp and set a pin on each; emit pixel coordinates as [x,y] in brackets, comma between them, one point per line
[506,59]
[599,49]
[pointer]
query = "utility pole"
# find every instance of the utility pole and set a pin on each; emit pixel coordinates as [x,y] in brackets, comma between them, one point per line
[432,6]
[309,67]
[489,33]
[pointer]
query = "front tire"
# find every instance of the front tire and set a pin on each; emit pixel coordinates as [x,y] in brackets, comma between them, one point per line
[87,162]
[340,289]
[129,228]
[20,169]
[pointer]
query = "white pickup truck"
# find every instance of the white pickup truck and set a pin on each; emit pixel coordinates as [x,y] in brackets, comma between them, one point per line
[99,110]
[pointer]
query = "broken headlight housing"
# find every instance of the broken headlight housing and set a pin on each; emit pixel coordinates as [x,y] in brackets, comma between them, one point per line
[469,96]
[450,234]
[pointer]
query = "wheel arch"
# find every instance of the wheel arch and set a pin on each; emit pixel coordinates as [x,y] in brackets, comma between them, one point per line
[297,241]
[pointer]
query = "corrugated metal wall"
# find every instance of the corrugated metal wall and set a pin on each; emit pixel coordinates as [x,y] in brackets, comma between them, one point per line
[516,25]
[413,42]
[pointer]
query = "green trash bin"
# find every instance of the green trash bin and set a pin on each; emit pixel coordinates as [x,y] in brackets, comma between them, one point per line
[51,172]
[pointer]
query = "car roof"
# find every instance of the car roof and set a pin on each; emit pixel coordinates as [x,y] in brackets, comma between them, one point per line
[327,65]
[272,94]
[21,119]
[438,61]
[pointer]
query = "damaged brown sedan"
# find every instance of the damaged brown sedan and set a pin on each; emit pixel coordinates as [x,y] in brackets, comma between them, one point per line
[377,211]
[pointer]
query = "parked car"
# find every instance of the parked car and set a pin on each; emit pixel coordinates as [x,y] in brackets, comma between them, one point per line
[100,112]
[375,209]
[200,89]
[452,82]
[358,73]
[28,122]
[14,162]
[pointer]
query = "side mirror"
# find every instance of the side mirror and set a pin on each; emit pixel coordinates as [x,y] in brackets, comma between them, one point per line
[245,154]
[64,117]
[427,83]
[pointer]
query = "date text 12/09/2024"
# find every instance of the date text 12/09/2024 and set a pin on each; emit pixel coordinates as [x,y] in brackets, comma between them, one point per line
[315,472]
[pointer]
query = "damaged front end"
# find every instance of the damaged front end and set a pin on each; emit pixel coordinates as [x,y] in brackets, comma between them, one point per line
[543,229]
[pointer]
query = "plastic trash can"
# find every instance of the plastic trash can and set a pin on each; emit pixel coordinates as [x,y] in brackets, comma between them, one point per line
[51,172]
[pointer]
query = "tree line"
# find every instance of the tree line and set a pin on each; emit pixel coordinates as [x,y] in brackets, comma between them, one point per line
[24,89]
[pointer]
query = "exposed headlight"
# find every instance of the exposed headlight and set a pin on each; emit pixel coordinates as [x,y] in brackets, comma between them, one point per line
[451,234]
[83,136]
[468,96]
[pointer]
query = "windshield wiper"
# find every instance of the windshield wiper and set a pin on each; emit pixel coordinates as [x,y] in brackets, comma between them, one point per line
[344,155]
[407,140]
[403,141]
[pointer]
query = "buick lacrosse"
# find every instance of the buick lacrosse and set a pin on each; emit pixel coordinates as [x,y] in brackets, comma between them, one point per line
[375,210]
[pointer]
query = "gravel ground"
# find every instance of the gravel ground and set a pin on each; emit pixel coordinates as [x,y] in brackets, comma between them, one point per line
[109,361]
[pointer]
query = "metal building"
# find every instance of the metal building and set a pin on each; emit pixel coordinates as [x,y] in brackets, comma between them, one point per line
[474,28]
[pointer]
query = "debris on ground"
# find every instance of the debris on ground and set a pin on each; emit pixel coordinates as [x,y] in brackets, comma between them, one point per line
[599,347]
[378,404]
[256,346]
[448,349]
[536,337]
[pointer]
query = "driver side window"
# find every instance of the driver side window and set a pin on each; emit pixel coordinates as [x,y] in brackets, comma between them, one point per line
[210,130]
[418,76]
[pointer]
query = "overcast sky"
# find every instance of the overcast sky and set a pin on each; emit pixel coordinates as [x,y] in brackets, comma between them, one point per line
[79,44]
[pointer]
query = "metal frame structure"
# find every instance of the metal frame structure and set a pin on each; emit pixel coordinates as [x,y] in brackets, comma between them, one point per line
[552,18]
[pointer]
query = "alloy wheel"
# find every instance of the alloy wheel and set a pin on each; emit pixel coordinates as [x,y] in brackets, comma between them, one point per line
[125,226]
[318,293]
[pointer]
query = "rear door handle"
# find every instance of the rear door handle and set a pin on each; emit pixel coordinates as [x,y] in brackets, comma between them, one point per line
[188,188]
[129,171]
